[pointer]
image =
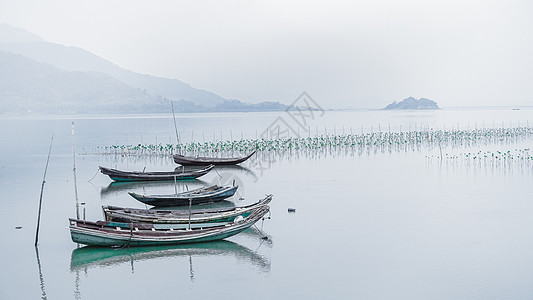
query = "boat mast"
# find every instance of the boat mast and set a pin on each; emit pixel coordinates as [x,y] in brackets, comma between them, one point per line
[74,171]
[175,126]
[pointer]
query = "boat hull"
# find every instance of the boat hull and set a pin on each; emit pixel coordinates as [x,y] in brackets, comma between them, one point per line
[205,161]
[133,178]
[186,198]
[97,239]
[126,176]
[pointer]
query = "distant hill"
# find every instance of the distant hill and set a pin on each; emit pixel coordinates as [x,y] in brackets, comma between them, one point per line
[412,103]
[75,80]
[29,86]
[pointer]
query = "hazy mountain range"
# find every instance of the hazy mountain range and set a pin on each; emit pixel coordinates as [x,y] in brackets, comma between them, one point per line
[41,77]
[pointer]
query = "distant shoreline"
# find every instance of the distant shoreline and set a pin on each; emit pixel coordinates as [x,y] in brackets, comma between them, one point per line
[129,115]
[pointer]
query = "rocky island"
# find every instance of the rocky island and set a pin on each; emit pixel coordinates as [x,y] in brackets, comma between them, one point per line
[413,103]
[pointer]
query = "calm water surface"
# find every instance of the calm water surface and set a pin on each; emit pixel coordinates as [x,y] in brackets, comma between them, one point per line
[371,225]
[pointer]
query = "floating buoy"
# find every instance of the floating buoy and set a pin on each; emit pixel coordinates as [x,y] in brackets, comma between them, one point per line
[291,209]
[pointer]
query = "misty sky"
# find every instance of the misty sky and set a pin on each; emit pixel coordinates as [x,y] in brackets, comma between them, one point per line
[355,54]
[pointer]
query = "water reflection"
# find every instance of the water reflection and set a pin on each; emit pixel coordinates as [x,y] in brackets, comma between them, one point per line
[237,168]
[85,258]
[41,277]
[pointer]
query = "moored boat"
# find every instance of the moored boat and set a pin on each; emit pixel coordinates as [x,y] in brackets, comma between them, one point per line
[203,161]
[129,215]
[118,175]
[139,234]
[197,196]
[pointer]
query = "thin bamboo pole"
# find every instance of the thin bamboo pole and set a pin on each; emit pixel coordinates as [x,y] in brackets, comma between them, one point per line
[74,171]
[42,189]
[175,126]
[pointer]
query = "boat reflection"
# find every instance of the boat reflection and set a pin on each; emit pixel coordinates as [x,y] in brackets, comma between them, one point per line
[88,257]
[237,169]
[123,187]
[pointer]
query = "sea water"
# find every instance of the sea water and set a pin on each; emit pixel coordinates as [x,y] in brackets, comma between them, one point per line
[409,223]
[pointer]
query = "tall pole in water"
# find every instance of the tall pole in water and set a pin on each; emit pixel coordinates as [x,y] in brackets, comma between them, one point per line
[74,171]
[175,126]
[42,188]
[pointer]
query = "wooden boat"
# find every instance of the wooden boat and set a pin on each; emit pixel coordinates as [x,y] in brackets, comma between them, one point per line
[201,195]
[103,233]
[203,161]
[118,175]
[129,215]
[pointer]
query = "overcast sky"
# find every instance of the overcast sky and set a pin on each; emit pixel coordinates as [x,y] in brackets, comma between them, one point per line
[351,54]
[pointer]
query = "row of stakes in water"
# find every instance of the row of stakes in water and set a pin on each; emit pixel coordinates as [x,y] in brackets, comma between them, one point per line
[346,143]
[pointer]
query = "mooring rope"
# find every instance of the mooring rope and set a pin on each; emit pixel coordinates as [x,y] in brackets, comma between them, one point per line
[94,175]
[264,237]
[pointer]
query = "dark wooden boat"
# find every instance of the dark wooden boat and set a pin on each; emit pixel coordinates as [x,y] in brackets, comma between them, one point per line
[201,195]
[135,215]
[203,161]
[104,233]
[118,175]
